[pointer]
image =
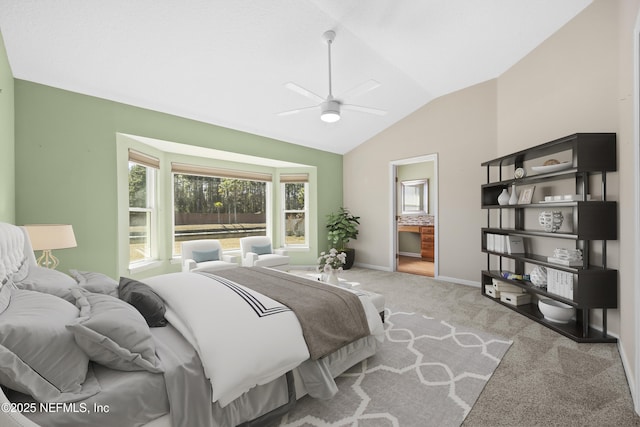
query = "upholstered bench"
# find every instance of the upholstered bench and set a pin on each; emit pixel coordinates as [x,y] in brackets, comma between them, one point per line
[376,299]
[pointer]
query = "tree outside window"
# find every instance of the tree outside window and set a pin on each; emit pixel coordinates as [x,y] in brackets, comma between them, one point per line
[141,212]
[295,213]
[226,209]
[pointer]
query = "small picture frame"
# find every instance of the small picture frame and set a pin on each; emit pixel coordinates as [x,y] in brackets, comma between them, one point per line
[526,195]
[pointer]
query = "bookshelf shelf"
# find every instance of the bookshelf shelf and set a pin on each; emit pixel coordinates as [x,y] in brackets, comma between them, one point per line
[592,285]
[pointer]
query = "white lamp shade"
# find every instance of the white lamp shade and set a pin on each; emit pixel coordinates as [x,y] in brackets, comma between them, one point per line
[51,236]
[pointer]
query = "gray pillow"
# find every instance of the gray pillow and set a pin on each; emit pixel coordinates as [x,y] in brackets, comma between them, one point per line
[203,256]
[48,281]
[261,250]
[113,333]
[95,282]
[144,299]
[38,355]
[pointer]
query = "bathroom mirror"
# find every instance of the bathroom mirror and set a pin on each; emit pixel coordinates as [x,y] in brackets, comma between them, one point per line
[415,197]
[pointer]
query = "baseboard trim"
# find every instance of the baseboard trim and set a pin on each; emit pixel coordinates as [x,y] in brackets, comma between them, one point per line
[627,372]
[459,281]
[372,267]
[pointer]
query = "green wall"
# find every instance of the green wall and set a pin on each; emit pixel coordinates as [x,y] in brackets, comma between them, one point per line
[66,165]
[7,139]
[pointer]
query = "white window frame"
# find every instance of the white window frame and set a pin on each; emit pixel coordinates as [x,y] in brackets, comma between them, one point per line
[152,203]
[283,216]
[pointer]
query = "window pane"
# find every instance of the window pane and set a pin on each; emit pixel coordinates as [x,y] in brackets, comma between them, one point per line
[137,186]
[139,235]
[294,213]
[294,196]
[218,208]
[141,189]
[295,225]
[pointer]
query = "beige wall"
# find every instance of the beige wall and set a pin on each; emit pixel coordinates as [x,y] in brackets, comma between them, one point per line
[461,129]
[581,79]
[578,80]
[567,84]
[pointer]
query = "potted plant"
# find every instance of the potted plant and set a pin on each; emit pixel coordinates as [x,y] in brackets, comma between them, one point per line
[343,226]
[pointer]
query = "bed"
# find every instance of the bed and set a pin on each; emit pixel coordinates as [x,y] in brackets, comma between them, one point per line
[235,348]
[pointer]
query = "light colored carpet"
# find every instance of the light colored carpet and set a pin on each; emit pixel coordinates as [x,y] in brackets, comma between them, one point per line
[544,379]
[426,369]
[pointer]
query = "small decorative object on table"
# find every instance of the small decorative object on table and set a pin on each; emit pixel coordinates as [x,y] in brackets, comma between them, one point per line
[503,198]
[513,200]
[526,195]
[568,257]
[538,277]
[330,264]
[519,173]
[551,221]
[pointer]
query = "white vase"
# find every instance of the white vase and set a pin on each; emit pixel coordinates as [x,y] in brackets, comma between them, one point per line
[332,277]
[513,200]
[503,198]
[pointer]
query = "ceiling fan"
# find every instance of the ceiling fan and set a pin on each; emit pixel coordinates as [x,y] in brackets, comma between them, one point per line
[331,106]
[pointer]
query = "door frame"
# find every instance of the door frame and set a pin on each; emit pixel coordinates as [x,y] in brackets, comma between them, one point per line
[393,244]
[635,393]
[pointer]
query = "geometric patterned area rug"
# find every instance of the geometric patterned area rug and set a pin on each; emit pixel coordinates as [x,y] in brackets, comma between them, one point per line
[428,372]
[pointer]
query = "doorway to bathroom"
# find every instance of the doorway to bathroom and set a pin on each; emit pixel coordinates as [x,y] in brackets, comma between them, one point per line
[415,207]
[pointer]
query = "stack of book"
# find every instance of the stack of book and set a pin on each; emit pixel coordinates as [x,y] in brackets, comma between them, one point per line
[505,244]
[560,283]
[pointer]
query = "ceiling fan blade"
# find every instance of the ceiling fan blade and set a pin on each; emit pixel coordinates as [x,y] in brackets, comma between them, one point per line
[364,109]
[360,89]
[304,92]
[296,111]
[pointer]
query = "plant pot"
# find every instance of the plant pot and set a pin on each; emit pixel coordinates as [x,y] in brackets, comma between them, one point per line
[332,277]
[351,257]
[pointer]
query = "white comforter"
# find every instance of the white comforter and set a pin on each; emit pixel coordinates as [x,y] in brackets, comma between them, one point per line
[242,341]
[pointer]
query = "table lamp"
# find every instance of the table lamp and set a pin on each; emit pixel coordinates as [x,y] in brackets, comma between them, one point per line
[46,237]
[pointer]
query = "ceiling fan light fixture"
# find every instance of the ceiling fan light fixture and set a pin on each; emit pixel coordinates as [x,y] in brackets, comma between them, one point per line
[330,107]
[330,111]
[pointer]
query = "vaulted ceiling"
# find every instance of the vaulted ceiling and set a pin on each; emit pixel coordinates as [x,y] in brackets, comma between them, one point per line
[226,62]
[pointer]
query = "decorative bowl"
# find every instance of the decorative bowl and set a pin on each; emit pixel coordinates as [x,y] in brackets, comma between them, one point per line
[556,311]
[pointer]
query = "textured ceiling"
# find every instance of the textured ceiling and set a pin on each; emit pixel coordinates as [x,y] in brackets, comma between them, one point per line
[226,62]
